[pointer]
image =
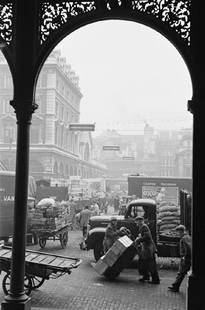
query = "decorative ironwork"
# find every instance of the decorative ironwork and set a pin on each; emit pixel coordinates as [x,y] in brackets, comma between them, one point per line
[6,15]
[176,13]
[54,15]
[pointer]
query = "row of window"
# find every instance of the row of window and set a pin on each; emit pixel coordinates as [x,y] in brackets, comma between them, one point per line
[65,114]
[5,106]
[6,80]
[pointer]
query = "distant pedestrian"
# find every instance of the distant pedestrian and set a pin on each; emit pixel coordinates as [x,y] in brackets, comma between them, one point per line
[111,234]
[96,209]
[84,217]
[147,253]
[185,254]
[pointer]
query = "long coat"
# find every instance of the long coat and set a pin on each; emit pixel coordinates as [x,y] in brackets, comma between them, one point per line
[148,248]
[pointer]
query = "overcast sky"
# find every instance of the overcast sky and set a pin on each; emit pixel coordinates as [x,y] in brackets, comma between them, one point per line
[129,74]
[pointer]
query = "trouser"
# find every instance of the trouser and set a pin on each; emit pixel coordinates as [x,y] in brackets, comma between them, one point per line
[149,268]
[84,231]
[184,267]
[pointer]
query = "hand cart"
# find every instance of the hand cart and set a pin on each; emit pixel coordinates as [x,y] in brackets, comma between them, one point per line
[39,267]
[48,234]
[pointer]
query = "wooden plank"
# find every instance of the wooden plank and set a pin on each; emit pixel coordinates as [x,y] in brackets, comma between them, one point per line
[56,262]
[7,255]
[47,260]
[30,257]
[38,259]
[4,251]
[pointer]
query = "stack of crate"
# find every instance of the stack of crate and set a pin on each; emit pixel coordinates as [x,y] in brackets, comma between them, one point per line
[49,214]
[37,220]
[113,254]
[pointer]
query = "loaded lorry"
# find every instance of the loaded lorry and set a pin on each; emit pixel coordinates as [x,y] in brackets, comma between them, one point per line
[164,203]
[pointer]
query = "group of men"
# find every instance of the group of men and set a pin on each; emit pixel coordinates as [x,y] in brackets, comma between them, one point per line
[147,251]
[145,246]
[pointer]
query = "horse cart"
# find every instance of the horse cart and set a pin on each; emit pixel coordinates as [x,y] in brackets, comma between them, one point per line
[39,267]
[43,234]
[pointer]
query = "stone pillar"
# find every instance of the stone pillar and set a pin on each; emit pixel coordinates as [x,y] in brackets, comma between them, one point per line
[17,299]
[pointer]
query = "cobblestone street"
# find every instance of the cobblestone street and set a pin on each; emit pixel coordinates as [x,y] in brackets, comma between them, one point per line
[84,289]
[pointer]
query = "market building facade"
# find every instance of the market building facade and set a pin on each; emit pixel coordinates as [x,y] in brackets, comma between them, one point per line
[56,153]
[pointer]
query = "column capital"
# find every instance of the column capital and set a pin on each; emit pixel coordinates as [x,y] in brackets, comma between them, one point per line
[23,109]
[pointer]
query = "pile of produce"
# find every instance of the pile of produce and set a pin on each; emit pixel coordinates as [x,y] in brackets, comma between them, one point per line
[49,214]
[168,216]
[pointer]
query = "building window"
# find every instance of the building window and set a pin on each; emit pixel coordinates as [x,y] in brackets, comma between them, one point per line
[44,80]
[8,134]
[35,132]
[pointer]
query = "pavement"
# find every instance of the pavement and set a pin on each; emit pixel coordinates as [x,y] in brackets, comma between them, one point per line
[85,289]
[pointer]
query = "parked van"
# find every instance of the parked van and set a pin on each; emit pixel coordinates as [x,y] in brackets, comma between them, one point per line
[7,192]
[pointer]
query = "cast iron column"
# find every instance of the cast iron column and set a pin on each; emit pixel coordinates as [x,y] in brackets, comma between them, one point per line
[17,299]
[196,290]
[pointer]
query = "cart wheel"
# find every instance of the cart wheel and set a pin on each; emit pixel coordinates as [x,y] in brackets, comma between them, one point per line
[7,280]
[36,282]
[42,242]
[64,239]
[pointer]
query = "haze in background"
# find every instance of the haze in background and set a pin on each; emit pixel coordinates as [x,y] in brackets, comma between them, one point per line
[129,74]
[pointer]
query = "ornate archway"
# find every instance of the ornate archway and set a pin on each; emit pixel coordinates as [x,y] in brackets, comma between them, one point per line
[29,30]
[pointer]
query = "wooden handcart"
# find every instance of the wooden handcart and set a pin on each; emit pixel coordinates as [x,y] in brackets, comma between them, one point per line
[39,267]
[43,235]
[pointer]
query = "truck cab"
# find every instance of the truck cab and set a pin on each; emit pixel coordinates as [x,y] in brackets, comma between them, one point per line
[98,224]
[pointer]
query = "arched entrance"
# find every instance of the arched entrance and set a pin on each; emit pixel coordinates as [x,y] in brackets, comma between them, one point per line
[28,33]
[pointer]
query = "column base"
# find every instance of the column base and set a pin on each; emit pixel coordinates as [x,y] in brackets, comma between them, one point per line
[16,305]
[195,293]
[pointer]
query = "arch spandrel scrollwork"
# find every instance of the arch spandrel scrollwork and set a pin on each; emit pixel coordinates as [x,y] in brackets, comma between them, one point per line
[175,13]
[6,19]
[54,14]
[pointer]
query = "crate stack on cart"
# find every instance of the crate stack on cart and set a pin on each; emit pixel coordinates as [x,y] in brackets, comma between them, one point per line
[51,220]
[49,214]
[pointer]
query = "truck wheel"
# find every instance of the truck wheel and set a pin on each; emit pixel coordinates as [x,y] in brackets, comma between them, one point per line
[98,250]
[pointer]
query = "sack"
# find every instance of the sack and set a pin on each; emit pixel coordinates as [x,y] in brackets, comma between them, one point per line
[168,208]
[169,219]
[168,213]
[167,226]
[46,202]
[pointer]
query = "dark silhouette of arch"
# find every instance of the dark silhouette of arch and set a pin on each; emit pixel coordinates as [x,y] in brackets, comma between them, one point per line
[117,13]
